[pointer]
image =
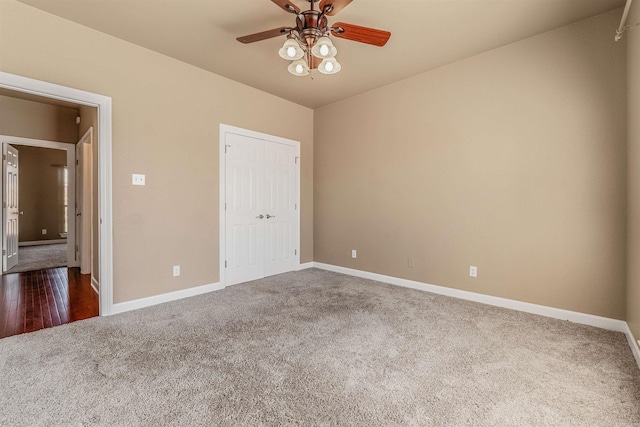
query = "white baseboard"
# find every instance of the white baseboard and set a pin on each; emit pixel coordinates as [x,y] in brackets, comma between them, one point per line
[304,266]
[42,242]
[541,310]
[95,285]
[162,298]
[635,349]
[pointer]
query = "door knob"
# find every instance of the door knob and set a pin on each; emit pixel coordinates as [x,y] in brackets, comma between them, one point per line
[270,216]
[21,212]
[260,216]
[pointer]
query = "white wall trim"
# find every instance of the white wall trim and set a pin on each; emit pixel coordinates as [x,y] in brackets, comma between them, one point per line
[162,298]
[635,349]
[305,266]
[541,310]
[95,285]
[42,242]
[103,104]
[224,129]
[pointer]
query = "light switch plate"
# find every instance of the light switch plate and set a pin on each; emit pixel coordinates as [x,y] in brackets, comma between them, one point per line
[473,271]
[137,179]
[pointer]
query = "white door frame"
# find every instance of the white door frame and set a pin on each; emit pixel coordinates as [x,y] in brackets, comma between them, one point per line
[224,129]
[105,227]
[71,161]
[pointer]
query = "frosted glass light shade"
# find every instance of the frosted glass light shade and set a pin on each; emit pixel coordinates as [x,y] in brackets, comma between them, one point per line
[324,48]
[329,66]
[291,50]
[299,67]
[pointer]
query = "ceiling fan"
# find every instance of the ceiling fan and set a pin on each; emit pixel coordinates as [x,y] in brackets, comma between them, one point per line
[308,45]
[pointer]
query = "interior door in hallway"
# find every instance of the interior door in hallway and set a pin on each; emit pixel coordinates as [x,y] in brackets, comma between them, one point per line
[260,211]
[11,212]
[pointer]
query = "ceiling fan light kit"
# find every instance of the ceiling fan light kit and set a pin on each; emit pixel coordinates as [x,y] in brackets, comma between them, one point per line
[308,42]
[325,51]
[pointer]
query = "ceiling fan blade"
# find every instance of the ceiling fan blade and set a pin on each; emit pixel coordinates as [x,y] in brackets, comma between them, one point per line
[361,34]
[336,5]
[264,35]
[287,6]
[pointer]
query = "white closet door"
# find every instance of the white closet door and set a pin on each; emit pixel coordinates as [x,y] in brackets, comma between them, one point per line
[244,199]
[280,210]
[261,212]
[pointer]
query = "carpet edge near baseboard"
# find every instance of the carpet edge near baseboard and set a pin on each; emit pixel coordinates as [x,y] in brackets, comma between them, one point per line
[607,323]
[615,325]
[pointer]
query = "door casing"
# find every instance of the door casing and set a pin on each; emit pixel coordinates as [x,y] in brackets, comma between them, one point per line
[105,218]
[224,130]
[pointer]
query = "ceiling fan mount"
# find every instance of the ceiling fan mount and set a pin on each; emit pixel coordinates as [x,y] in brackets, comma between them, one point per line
[312,29]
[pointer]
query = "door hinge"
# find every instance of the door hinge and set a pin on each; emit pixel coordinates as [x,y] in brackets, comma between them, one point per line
[225,264]
[4,252]
[225,148]
[77,248]
[295,206]
[4,157]
[77,162]
[225,206]
[297,158]
[295,252]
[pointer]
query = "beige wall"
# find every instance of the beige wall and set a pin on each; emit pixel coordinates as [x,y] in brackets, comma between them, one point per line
[166,117]
[28,119]
[512,161]
[89,119]
[633,99]
[40,192]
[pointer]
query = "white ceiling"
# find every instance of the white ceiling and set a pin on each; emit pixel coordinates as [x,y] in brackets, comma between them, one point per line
[425,34]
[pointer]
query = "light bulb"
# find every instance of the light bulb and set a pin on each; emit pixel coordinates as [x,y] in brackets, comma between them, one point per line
[329,67]
[299,69]
[324,50]
[290,50]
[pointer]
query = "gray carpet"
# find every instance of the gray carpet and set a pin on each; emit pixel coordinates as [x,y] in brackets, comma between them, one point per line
[39,257]
[319,348]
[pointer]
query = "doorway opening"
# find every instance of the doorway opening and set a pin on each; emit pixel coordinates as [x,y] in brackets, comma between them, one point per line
[43,200]
[39,194]
[102,268]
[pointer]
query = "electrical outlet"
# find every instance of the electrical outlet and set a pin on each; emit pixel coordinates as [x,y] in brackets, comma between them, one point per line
[176,270]
[410,262]
[44,231]
[473,271]
[354,253]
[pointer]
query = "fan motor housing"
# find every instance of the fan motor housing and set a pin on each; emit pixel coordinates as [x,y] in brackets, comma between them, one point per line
[312,25]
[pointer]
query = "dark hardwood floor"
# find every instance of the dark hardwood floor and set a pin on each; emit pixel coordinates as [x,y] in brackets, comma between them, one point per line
[41,299]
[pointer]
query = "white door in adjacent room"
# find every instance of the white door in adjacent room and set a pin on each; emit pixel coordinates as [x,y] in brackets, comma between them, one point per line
[260,208]
[11,212]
